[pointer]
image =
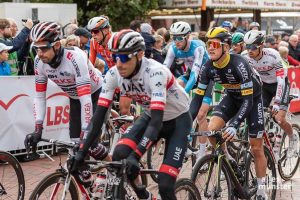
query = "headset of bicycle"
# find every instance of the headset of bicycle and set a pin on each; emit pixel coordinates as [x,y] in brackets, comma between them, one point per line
[97,24]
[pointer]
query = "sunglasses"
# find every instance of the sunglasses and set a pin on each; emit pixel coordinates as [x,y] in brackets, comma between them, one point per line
[252,46]
[178,38]
[122,57]
[214,44]
[43,48]
[237,44]
[95,31]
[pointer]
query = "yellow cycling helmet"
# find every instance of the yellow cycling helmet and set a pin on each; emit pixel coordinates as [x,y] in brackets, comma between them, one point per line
[219,33]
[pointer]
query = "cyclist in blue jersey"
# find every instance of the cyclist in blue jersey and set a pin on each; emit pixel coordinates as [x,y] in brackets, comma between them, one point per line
[193,53]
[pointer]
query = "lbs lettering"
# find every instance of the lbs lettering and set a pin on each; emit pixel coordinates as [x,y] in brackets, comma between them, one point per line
[58,115]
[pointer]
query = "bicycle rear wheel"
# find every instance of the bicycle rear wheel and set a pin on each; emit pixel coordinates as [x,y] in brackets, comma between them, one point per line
[186,189]
[12,183]
[52,186]
[288,164]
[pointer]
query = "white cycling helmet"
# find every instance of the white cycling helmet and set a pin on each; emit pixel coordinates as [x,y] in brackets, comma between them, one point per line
[46,31]
[254,37]
[98,23]
[126,41]
[254,24]
[180,28]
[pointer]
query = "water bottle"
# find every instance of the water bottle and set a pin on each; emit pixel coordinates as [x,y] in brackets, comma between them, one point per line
[99,186]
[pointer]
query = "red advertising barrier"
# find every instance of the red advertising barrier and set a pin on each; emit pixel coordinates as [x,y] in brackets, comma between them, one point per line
[294,78]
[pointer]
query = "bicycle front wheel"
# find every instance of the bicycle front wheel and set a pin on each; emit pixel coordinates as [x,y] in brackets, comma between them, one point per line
[288,163]
[52,186]
[205,176]
[12,183]
[186,189]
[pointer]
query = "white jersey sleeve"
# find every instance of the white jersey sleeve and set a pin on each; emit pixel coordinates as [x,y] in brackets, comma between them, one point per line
[110,83]
[158,86]
[41,81]
[198,62]
[169,58]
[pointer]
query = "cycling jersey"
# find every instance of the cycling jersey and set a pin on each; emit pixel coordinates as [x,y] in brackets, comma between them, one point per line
[153,86]
[193,58]
[271,70]
[96,48]
[75,75]
[241,83]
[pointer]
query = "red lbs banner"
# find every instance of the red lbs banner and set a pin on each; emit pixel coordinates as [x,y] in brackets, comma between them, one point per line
[294,78]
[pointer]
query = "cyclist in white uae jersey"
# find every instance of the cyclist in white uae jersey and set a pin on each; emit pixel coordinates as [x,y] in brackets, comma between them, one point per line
[166,113]
[268,63]
[71,70]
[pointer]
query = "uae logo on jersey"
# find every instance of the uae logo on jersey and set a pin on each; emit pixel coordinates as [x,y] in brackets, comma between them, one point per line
[158,84]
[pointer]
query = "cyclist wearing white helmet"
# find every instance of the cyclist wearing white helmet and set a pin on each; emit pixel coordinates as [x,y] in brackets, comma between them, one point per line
[269,64]
[254,26]
[70,69]
[194,55]
[166,113]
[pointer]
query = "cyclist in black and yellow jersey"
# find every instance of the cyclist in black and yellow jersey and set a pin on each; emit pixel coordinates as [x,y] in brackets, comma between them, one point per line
[242,99]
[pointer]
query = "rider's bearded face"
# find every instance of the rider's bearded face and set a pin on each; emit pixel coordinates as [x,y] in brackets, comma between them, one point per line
[45,51]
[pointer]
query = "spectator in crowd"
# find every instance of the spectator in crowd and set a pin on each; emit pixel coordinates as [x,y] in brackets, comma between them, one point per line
[69,29]
[135,25]
[146,32]
[293,50]
[13,27]
[85,37]
[72,40]
[4,66]
[254,26]
[17,43]
[285,36]
[297,32]
[202,36]
[284,52]
[161,31]
[290,59]
[157,49]
[271,42]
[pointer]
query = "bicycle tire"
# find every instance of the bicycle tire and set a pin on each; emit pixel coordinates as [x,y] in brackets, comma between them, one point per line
[51,179]
[187,185]
[281,164]
[207,159]
[8,159]
[272,167]
[160,144]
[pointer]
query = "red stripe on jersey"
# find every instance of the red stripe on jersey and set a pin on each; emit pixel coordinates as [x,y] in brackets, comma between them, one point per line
[170,83]
[280,72]
[172,171]
[41,87]
[127,142]
[84,90]
[104,102]
[157,105]
[138,152]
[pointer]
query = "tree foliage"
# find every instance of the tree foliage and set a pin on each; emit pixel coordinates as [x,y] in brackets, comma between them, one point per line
[120,12]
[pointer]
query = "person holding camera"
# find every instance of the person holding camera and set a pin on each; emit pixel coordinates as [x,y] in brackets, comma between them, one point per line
[17,43]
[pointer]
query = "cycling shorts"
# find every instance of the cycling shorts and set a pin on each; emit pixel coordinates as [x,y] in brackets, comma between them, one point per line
[228,108]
